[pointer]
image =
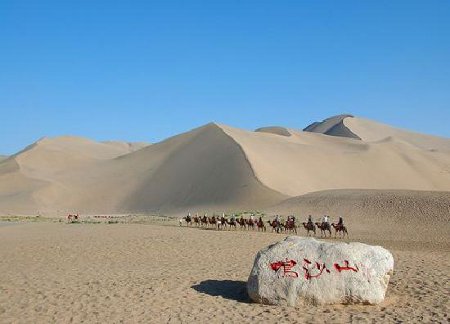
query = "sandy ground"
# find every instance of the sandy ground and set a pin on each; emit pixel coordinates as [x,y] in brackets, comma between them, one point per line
[128,273]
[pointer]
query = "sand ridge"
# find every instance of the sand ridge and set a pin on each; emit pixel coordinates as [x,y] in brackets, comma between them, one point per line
[218,166]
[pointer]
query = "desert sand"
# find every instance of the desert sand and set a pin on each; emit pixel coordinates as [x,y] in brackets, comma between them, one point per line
[125,273]
[219,167]
[391,186]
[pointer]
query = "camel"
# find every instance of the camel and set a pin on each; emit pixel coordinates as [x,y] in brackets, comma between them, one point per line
[290,226]
[242,223]
[309,227]
[323,228]
[204,221]
[276,226]
[338,229]
[222,223]
[250,223]
[72,218]
[260,225]
[212,221]
[196,220]
[231,223]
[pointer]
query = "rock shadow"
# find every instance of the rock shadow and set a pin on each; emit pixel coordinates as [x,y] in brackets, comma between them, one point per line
[228,289]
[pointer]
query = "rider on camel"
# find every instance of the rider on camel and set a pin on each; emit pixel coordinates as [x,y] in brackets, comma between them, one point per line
[188,217]
[291,219]
[325,221]
[310,221]
[340,223]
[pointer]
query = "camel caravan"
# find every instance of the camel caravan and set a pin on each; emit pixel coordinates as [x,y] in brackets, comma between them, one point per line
[277,225]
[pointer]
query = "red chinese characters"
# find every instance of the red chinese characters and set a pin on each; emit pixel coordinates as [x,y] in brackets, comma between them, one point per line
[284,268]
[345,267]
[313,271]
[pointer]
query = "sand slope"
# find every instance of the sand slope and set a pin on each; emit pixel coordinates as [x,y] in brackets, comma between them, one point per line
[333,126]
[410,215]
[41,175]
[371,131]
[217,167]
[307,162]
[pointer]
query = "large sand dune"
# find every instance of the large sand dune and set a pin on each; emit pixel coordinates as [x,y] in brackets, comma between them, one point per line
[217,167]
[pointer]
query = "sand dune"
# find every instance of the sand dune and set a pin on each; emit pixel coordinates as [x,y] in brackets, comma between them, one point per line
[370,131]
[217,167]
[41,175]
[333,126]
[307,162]
[274,130]
[413,215]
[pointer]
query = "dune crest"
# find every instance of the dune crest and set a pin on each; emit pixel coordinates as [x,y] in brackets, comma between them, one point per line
[219,167]
[277,130]
[333,126]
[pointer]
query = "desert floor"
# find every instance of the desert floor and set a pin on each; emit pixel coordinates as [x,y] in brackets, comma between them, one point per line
[128,273]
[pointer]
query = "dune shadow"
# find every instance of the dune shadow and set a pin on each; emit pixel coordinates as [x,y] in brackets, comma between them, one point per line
[228,289]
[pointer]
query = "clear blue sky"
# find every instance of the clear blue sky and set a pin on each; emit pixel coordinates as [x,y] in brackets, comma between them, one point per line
[146,70]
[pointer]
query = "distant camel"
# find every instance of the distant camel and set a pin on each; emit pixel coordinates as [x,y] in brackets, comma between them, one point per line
[196,220]
[187,219]
[212,221]
[250,223]
[338,229]
[242,223]
[221,223]
[309,227]
[260,225]
[72,218]
[276,226]
[204,221]
[323,228]
[290,226]
[231,223]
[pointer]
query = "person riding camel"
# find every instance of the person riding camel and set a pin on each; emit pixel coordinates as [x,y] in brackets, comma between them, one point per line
[340,223]
[310,221]
[188,217]
[325,221]
[277,219]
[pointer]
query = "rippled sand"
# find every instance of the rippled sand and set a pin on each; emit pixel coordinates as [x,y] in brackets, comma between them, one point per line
[124,273]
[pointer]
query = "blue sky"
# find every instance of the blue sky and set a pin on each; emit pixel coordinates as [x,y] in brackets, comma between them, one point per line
[146,70]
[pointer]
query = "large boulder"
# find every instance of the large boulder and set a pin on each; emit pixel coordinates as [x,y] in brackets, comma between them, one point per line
[306,271]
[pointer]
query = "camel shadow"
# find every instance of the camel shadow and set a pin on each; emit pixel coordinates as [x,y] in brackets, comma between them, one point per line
[228,289]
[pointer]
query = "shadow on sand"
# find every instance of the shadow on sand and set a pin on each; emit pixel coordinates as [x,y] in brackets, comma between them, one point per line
[228,289]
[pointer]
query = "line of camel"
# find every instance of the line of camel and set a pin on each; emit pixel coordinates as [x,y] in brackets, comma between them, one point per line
[223,223]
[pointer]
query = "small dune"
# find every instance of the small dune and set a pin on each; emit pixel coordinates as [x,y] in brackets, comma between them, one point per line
[277,130]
